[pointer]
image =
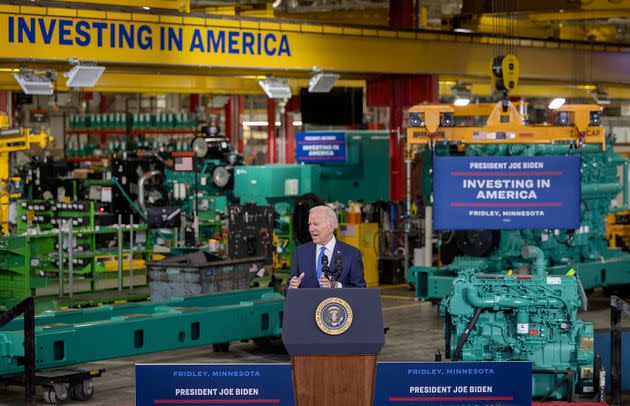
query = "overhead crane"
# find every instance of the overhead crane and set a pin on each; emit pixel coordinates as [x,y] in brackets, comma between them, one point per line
[579,124]
[190,42]
[576,129]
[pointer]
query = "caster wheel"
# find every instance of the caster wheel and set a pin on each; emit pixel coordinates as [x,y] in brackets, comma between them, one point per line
[81,390]
[51,396]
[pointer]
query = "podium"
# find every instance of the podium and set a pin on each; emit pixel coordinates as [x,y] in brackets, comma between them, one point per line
[333,337]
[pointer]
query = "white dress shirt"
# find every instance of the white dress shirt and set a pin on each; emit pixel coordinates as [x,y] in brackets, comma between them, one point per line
[330,246]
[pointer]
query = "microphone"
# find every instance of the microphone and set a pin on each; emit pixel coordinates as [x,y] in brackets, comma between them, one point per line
[338,266]
[325,268]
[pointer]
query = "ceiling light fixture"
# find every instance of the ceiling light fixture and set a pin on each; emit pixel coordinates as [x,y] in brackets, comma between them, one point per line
[276,88]
[255,123]
[600,96]
[322,82]
[557,103]
[461,102]
[462,94]
[35,82]
[83,74]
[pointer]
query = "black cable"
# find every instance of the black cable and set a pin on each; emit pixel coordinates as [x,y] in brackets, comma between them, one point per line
[448,326]
[464,336]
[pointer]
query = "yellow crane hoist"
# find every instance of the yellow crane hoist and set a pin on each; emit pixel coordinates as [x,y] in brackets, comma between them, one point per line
[11,140]
[505,70]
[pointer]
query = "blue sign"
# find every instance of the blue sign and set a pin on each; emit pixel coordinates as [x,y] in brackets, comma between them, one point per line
[317,147]
[453,383]
[182,384]
[497,193]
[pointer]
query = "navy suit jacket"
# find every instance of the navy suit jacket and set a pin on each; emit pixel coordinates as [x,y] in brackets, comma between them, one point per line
[304,261]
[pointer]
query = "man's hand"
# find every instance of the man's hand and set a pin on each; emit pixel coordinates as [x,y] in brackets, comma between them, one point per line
[324,282]
[294,283]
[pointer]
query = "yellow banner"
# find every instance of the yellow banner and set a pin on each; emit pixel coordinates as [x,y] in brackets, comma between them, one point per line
[54,38]
[271,45]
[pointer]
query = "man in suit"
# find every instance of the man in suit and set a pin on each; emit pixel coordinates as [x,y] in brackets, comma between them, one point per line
[306,270]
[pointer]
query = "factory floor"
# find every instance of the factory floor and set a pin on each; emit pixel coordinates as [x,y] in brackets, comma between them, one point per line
[415,334]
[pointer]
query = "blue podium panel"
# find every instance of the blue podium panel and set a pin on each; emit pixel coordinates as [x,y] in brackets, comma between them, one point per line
[181,384]
[454,383]
[363,322]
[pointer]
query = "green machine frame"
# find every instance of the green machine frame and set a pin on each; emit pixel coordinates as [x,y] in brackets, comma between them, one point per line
[76,336]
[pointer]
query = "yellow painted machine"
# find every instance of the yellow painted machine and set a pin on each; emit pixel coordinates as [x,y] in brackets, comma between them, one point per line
[364,237]
[618,229]
[11,140]
[575,124]
[579,124]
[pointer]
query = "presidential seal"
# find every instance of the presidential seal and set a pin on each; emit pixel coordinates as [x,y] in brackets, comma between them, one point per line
[333,316]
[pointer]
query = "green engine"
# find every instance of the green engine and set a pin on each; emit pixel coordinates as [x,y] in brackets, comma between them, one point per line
[584,249]
[523,317]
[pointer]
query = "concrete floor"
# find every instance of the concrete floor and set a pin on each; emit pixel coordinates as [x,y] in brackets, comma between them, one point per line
[415,333]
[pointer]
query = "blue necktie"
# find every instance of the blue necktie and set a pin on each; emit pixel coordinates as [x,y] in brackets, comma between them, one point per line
[319,263]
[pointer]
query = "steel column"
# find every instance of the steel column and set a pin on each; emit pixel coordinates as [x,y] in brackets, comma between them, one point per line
[289,138]
[271,131]
[229,127]
[239,134]
[233,109]
[292,107]
[401,13]
[3,102]
[194,102]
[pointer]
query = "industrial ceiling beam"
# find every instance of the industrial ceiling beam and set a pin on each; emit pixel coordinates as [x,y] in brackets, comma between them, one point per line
[578,16]
[485,6]
[177,5]
[190,84]
[552,6]
[222,44]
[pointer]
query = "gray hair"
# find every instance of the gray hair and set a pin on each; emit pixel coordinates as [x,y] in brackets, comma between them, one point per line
[328,212]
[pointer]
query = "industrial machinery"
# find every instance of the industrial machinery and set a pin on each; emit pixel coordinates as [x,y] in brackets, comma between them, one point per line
[293,189]
[525,316]
[251,231]
[578,132]
[75,336]
[196,175]
[206,171]
[278,186]
[499,306]
[11,140]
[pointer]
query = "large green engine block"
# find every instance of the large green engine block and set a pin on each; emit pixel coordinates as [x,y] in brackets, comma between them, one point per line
[584,249]
[524,317]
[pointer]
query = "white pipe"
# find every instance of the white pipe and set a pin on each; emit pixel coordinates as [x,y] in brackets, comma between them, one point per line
[141,183]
